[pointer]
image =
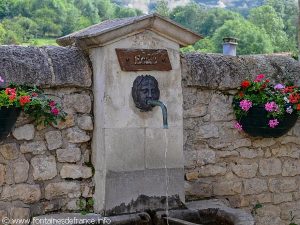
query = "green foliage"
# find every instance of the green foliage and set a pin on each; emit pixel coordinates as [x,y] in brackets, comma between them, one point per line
[215,18]
[269,27]
[255,208]
[265,17]
[190,16]
[162,8]
[33,102]
[205,45]
[85,205]
[252,40]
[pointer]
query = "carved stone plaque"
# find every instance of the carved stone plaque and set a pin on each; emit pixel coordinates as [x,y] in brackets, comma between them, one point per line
[143,59]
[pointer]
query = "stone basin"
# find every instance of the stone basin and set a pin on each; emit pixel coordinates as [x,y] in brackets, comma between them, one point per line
[208,212]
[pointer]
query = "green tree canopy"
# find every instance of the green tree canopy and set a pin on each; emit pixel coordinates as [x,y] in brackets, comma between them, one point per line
[266,18]
[215,18]
[252,39]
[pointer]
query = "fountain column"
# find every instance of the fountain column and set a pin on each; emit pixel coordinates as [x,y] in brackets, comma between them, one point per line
[129,145]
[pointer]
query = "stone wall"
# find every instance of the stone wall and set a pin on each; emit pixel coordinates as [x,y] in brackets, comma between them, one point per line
[46,169]
[221,162]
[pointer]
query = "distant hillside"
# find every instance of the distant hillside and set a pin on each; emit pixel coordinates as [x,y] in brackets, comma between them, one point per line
[148,5]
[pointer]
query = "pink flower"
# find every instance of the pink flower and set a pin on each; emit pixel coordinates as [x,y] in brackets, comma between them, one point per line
[1,80]
[55,111]
[245,105]
[259,78]
[273,123]
[279,86]
[52,104]
[271,107]
[238,126]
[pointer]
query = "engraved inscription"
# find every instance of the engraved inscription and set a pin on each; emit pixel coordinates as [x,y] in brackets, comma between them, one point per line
[143,59]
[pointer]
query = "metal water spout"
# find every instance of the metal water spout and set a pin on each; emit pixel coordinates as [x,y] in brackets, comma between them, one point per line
[163,110]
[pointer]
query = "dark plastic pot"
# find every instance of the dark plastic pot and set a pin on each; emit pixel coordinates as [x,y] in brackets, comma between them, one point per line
[8,118]
[256,123]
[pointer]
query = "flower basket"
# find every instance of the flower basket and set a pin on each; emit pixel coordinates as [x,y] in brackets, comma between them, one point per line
[266,109]
[255,123]
[8,117]
[29,99]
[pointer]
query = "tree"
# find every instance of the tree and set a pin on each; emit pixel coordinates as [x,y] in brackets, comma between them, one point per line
[266,18]
[189,16]
[215,18]
[252,39]
[162,8]
[122,12]
[106,10]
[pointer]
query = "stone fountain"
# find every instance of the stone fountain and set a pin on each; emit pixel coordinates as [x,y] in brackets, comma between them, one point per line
[129,143]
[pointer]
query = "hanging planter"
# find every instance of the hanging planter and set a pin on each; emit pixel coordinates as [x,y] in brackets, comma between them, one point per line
[256,123]
[32,101]
[8,118]
[265,109]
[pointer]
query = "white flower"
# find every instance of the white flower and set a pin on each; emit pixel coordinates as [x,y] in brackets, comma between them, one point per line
[286,100]
[289,110]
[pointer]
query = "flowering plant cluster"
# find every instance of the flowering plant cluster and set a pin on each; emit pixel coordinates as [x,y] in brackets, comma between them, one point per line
[277,99]
[32,101]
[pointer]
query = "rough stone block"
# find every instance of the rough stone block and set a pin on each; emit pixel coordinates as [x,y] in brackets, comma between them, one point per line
[255,186]
[36,147]
[227,188]
[54,139]
[208,131]
[75,171]
[198,189]
[25,132]
[62,189]
[70,154]
[85,123]
[20,171]
[68,122]
[212,170]
[44,167]
[268,167]
[2,174]
[245,170]
[75,135]
[9,151]
[70,66]
[291,167]
[195,111]
[280,185]
[20,214]
[78,102]
[191,175]
[24,192]
[282,197]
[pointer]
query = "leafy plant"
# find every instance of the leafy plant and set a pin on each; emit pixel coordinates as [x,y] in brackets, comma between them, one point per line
[86,205]
[277,99]
[32,101]
[255,208]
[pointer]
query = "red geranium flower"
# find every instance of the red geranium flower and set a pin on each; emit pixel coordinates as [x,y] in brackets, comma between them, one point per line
[294,98]
[298,107]
[24,100]
[259,78]
[245,84]
[55,111]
